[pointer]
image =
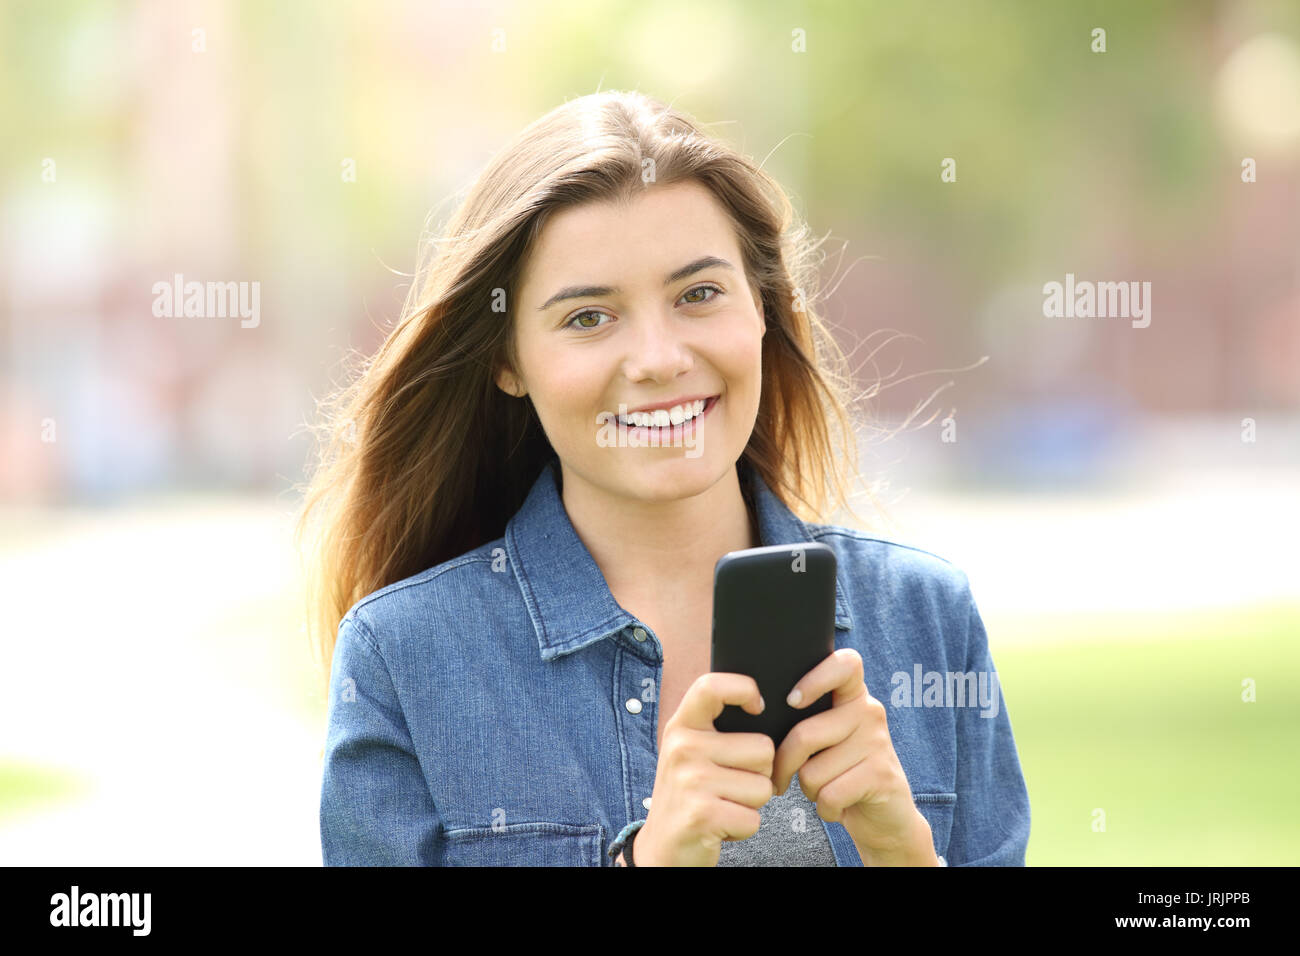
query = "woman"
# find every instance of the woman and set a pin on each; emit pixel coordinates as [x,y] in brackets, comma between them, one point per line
[609,378]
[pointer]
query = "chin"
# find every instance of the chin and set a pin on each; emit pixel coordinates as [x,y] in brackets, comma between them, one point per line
[670,477]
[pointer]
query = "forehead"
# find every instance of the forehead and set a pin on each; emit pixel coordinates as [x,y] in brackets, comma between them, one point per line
[602,241]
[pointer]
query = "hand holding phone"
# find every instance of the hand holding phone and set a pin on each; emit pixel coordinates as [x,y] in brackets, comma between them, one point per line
[709,785]
[773,622]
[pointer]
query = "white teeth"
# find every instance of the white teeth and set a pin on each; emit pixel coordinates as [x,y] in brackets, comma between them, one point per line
[665,417]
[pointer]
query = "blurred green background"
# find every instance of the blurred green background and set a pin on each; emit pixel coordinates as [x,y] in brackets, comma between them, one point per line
[1130,548]
[1147,723]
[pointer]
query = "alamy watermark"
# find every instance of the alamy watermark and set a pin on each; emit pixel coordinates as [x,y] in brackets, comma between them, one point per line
[1129,300]
[616,432]
[101,909]
[210,300]
[948,689]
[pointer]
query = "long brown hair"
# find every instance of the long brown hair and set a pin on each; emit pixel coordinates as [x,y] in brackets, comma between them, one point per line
[423,457]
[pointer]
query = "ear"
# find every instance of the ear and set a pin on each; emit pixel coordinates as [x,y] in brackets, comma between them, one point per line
[509,383]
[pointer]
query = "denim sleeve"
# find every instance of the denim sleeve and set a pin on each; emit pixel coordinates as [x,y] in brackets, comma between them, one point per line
[375,806]
[991,819]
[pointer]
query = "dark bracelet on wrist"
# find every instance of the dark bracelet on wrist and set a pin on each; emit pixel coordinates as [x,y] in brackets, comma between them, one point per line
[623,842]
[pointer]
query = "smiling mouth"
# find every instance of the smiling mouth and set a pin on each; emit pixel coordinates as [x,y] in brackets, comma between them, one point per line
[640,422]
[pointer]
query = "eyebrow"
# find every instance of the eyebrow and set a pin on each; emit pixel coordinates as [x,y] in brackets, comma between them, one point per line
[588,291]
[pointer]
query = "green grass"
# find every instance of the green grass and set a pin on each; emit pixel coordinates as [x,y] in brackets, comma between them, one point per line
[1149,725]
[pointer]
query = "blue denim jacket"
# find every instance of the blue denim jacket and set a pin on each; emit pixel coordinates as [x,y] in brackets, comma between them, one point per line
[488,711]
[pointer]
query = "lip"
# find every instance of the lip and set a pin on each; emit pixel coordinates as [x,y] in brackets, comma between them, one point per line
[677,431]
[670,404]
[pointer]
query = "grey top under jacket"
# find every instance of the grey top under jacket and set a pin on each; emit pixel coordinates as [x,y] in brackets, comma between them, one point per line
[791,834]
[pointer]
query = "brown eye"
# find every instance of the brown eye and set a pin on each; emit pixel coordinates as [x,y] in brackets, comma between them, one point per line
[702,288]
[574,323]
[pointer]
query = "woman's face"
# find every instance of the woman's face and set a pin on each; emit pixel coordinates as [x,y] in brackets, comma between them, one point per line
[647,305]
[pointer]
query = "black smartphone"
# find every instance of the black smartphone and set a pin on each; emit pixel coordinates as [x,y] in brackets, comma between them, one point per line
[773,619]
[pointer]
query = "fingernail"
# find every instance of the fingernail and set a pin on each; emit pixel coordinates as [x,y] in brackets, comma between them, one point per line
[795,697]
[761,705]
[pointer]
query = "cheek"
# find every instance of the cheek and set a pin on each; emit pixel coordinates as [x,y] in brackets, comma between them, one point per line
[565,392]
[740,354]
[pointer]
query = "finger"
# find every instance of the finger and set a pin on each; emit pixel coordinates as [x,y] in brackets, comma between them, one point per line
[739,822]
[809,736]
[850,787]
[840,674]
[741,786]
[710,692]
[830,763]
[752,752]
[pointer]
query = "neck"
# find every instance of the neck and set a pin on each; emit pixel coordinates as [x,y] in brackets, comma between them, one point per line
[660,547]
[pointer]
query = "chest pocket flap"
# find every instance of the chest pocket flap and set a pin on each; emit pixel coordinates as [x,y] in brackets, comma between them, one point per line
[524,844]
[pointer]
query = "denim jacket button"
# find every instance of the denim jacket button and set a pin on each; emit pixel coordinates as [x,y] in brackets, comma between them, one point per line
[646,803]
[639,633]
[633,705]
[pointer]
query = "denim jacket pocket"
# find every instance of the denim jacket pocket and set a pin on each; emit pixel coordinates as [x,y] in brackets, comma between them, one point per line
[938,810]
[525,844]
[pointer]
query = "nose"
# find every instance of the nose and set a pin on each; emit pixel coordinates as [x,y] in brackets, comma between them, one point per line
[659,350]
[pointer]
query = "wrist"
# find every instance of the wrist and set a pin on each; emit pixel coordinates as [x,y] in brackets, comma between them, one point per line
[915,849]
[644,852]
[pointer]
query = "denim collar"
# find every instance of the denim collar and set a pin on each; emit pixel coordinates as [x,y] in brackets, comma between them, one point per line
[568,600]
